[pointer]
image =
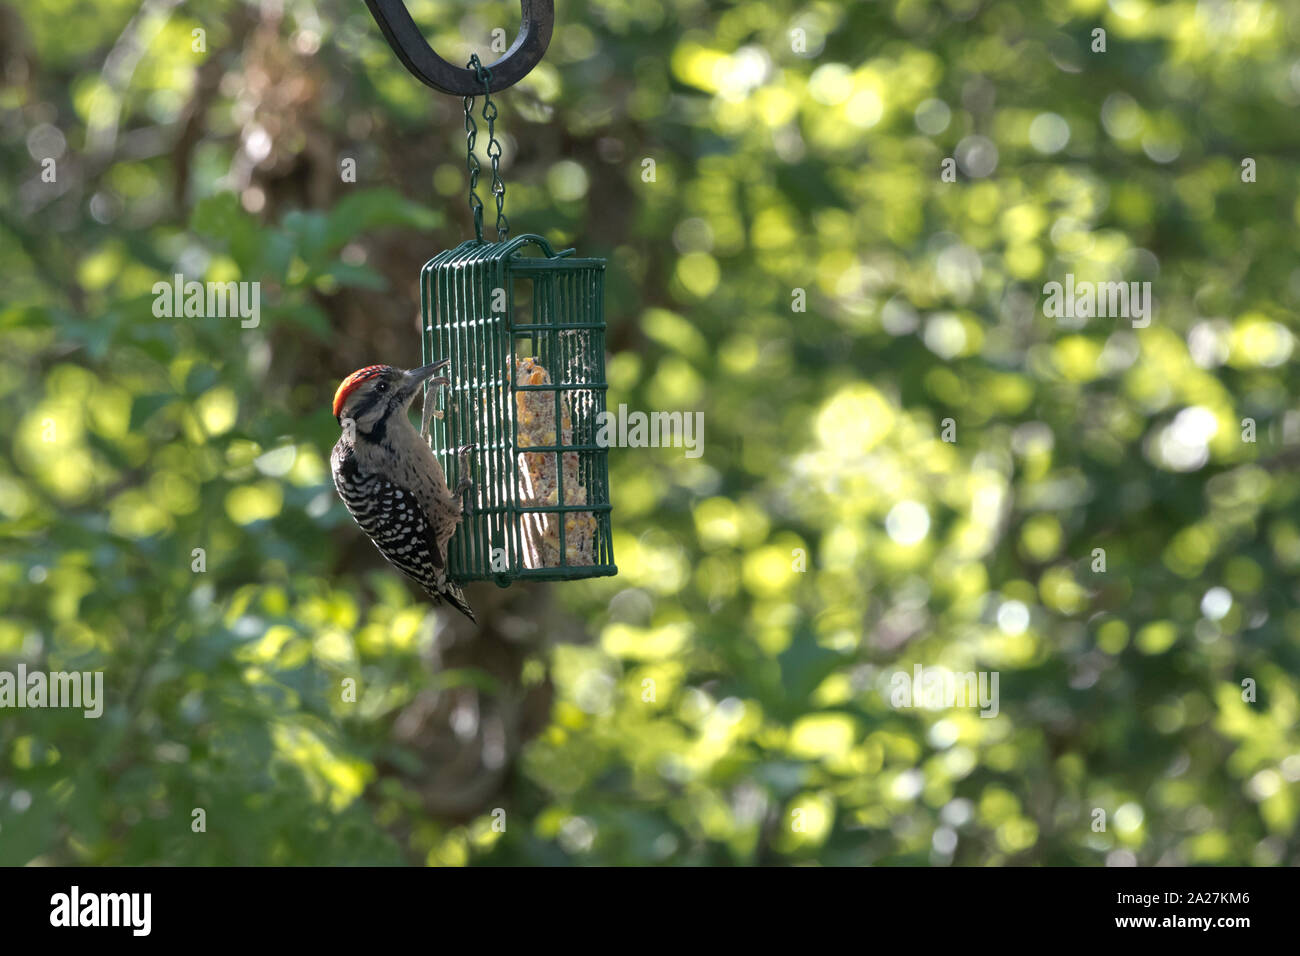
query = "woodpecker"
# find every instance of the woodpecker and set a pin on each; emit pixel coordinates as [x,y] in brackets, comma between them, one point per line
[388,477]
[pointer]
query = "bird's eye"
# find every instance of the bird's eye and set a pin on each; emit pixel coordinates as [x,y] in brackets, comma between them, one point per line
[381,387]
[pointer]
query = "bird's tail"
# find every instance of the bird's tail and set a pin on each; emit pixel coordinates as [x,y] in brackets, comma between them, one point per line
[454,596]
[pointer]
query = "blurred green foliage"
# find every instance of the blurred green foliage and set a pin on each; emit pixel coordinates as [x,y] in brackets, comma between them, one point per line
[712,694]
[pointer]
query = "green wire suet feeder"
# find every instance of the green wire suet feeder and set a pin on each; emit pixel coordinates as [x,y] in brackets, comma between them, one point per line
[524,329]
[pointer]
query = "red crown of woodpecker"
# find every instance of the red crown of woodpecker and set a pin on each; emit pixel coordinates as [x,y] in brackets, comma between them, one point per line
[352,381]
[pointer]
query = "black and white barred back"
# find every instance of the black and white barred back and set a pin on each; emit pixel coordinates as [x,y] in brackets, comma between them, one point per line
[394,520]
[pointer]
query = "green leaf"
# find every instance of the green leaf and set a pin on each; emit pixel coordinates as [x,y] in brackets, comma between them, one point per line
[144,407]
[371,208]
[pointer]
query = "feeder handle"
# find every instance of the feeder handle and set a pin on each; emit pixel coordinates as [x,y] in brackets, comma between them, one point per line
[417,56]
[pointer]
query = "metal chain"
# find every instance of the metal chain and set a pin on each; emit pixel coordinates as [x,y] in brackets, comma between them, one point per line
[471,162]
[493,151]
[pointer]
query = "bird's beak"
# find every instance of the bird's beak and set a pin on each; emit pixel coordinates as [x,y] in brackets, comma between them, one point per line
[413,379]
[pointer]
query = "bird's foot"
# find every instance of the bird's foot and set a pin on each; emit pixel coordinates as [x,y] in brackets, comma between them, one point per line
[462,454]
[466,482]
[429,412]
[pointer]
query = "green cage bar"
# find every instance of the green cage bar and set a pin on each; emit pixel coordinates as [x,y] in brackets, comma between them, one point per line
[502,311]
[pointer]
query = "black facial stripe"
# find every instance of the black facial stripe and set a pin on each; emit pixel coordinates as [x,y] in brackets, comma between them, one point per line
[380,430]
[370,402]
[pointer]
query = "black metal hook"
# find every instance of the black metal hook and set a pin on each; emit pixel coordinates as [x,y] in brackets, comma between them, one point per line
[417,56]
